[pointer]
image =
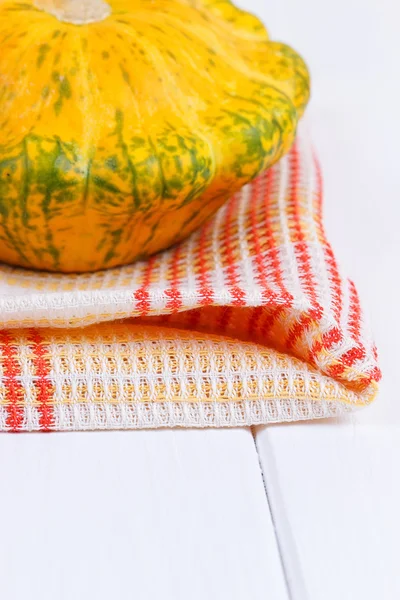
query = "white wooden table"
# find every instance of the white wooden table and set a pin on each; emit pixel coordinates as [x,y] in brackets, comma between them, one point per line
[306,511]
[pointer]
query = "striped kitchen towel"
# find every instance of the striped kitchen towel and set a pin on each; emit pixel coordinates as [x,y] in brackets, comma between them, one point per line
[249,321]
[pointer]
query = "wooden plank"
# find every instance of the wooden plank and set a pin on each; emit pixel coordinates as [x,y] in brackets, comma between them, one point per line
[141,514]
[335,495]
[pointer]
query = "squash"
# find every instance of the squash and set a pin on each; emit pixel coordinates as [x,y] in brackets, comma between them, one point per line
[125,125]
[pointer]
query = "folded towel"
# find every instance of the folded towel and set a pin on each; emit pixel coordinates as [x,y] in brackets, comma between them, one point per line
[249,321]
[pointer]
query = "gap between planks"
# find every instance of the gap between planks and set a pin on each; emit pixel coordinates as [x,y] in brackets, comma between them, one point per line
[287,550]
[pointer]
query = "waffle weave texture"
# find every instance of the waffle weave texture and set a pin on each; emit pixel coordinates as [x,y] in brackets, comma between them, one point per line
[249,321]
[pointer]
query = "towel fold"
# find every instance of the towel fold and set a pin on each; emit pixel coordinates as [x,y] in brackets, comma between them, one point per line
[249,321]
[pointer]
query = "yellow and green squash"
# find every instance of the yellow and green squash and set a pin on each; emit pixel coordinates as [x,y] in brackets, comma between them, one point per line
[125,124]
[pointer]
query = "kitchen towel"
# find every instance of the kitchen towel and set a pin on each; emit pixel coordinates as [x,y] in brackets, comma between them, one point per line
[249,321]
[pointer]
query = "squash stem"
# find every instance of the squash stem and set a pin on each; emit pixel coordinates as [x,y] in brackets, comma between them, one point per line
[77,12]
